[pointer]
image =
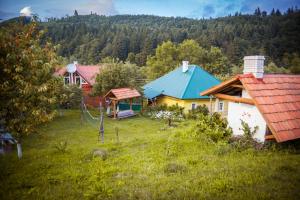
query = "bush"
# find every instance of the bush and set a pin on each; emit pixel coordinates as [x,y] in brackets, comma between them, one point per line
[171,113]
[246,140]
[70,97]
[214,127]
[195,113]
[61,146]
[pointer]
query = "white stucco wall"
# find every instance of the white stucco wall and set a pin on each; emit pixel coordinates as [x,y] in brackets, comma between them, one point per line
[249,114]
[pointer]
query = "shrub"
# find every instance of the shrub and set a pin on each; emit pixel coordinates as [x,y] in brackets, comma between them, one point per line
[195,113]
[61,146]
[70,97]
[171,113]
[214,127]
[246,140]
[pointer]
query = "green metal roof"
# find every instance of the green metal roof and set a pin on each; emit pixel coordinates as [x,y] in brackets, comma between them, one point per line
[182,85]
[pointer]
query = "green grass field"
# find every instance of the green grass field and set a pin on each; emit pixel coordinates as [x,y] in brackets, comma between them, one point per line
[151,161]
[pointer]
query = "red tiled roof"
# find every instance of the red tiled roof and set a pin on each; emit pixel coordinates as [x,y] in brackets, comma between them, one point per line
[60,71]
[123,93]
[87,72]
[278,99]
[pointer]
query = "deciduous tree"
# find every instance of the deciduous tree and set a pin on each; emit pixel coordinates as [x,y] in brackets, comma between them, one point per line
[27,86]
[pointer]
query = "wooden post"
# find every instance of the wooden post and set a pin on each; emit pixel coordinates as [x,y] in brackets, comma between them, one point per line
[210,101]
[81,113]
[101,128]
[114,109]
[130,103]
[117,134]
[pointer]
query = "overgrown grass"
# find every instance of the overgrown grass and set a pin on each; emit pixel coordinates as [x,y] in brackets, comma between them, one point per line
[150,161]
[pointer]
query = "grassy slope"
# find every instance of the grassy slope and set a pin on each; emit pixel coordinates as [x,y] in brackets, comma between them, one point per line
[136,167]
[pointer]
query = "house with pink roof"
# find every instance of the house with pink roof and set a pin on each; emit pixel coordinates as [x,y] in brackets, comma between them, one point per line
[82,75]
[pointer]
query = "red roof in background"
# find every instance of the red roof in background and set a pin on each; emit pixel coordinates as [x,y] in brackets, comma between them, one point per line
[60,71]
[123,93]
[87,72]
[278,99]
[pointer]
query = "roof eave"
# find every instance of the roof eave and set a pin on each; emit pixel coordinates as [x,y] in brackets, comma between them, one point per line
[216,88]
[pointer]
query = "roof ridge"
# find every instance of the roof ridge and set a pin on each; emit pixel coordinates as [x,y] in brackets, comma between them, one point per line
[200,68]
[185,89]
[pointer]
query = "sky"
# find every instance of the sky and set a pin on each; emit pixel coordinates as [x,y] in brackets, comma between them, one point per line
[181,8]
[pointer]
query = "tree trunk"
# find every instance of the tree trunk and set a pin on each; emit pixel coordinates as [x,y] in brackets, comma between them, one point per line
[19,149]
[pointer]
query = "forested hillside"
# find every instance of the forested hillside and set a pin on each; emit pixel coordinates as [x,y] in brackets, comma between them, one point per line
[90,38]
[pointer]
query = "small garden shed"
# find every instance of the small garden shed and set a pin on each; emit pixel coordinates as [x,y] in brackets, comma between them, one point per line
[115,96]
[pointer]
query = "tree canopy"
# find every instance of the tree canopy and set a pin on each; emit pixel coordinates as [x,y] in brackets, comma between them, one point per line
[116,75]
[90,38]
[28,90]
[168,56]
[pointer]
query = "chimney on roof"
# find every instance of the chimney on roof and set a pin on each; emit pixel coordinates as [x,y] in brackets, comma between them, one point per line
[185,66]
[254,65]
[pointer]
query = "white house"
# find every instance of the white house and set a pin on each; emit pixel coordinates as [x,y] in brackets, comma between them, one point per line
[269,101]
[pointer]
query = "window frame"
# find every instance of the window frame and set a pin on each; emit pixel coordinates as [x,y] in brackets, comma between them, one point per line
[195,106]
[223,105]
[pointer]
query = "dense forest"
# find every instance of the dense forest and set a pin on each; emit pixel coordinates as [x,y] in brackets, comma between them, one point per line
[90,38]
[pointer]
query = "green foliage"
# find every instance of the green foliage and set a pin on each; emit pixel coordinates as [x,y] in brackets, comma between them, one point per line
[170,113]
[168,56]
[295,64]
[28,90]
[246,140]
[214,127]
[198,112]
[70,96]
[116,75]
[90,38]
[248,133]
[135,168]
[61,146]
[273,68]
[165,60]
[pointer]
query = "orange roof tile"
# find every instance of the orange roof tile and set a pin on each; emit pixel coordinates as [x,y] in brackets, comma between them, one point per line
[123,93]
[278,99]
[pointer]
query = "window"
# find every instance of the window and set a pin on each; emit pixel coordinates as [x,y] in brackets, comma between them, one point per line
[83,81]
[221,106]
[67,80]
[77,80]
[194,106]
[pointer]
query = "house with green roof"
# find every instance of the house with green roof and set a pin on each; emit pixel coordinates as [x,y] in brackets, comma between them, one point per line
[183,86]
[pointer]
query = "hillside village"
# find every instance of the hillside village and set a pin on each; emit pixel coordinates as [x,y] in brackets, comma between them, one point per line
[183,119]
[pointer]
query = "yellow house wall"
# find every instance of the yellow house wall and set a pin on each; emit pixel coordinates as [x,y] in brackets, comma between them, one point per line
[187,103]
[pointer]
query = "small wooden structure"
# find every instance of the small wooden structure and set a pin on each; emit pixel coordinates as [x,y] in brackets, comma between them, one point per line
[116,95]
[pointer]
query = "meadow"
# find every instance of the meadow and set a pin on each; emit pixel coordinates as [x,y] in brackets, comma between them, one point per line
[149,160]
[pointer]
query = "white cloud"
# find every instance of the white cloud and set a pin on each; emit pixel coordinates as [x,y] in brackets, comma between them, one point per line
[26,11]
[101,7]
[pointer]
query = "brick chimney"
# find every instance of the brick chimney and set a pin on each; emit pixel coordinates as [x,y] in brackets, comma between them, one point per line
[254,65]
